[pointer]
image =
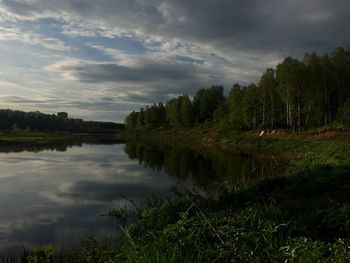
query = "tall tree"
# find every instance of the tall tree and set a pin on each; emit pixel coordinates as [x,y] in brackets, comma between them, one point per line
[220,116]
[316,91]
[341,66]
[131,120]
[268,96]
[251,106]
[206,101]
[186,111]
[287,87]
[172,109]
[234,102]
[141,118]
[327,80]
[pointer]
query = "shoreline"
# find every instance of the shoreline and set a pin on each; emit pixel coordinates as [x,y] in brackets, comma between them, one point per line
[47,137]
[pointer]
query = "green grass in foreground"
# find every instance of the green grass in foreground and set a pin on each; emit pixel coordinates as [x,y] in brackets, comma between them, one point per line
[303,218]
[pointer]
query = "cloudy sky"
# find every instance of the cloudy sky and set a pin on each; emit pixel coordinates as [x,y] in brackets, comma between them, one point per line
[99,59]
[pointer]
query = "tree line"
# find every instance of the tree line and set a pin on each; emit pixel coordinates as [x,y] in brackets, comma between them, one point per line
[297,94]
[14,120]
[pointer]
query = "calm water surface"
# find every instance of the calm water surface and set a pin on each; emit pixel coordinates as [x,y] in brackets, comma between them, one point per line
[55,194]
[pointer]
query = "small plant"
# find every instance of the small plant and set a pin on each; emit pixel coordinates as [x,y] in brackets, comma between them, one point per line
[121,215]
[41,254]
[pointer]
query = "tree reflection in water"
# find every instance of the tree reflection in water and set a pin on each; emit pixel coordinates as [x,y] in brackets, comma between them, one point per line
[210,170]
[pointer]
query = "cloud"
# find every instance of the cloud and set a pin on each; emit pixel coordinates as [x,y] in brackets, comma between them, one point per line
[15,34]
[146,71]
[75,30]
[129,86]
[17,99]
[224,24]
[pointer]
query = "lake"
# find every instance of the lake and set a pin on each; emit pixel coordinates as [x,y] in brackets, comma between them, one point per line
[56,193]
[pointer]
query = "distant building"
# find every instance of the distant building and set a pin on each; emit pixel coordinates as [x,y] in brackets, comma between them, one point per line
[63,115]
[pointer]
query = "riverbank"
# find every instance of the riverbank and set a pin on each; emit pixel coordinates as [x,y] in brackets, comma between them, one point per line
[306,149]
[303,217]
[48,137]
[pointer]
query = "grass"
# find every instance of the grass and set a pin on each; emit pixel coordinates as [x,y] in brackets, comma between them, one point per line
[303,218]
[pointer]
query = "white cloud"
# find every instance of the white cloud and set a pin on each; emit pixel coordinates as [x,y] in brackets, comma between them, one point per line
[75,30]
[15,34]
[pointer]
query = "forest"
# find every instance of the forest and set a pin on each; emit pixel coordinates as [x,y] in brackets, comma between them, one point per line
[14,120]
[296,95]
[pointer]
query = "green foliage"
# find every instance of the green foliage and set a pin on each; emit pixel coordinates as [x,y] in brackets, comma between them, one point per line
[271,104]
[131,120]
[41,254]
[288,86]
[206,101]
[140,118]
[119,214]
[309,251]
[172,110]
[13,120]
[186,111]
[179,112]
[251,107]
[281,220]
[94,252]
[155,115]
[235,105]
[220,116]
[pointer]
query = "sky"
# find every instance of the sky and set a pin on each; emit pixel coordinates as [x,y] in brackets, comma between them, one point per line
[101,59]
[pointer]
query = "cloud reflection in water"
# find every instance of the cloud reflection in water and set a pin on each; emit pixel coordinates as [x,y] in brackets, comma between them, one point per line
[57,197]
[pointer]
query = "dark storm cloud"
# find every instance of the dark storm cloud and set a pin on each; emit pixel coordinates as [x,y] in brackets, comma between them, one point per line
[150,81]
[260,25]
[226,24]
[97,10]
[146,71]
